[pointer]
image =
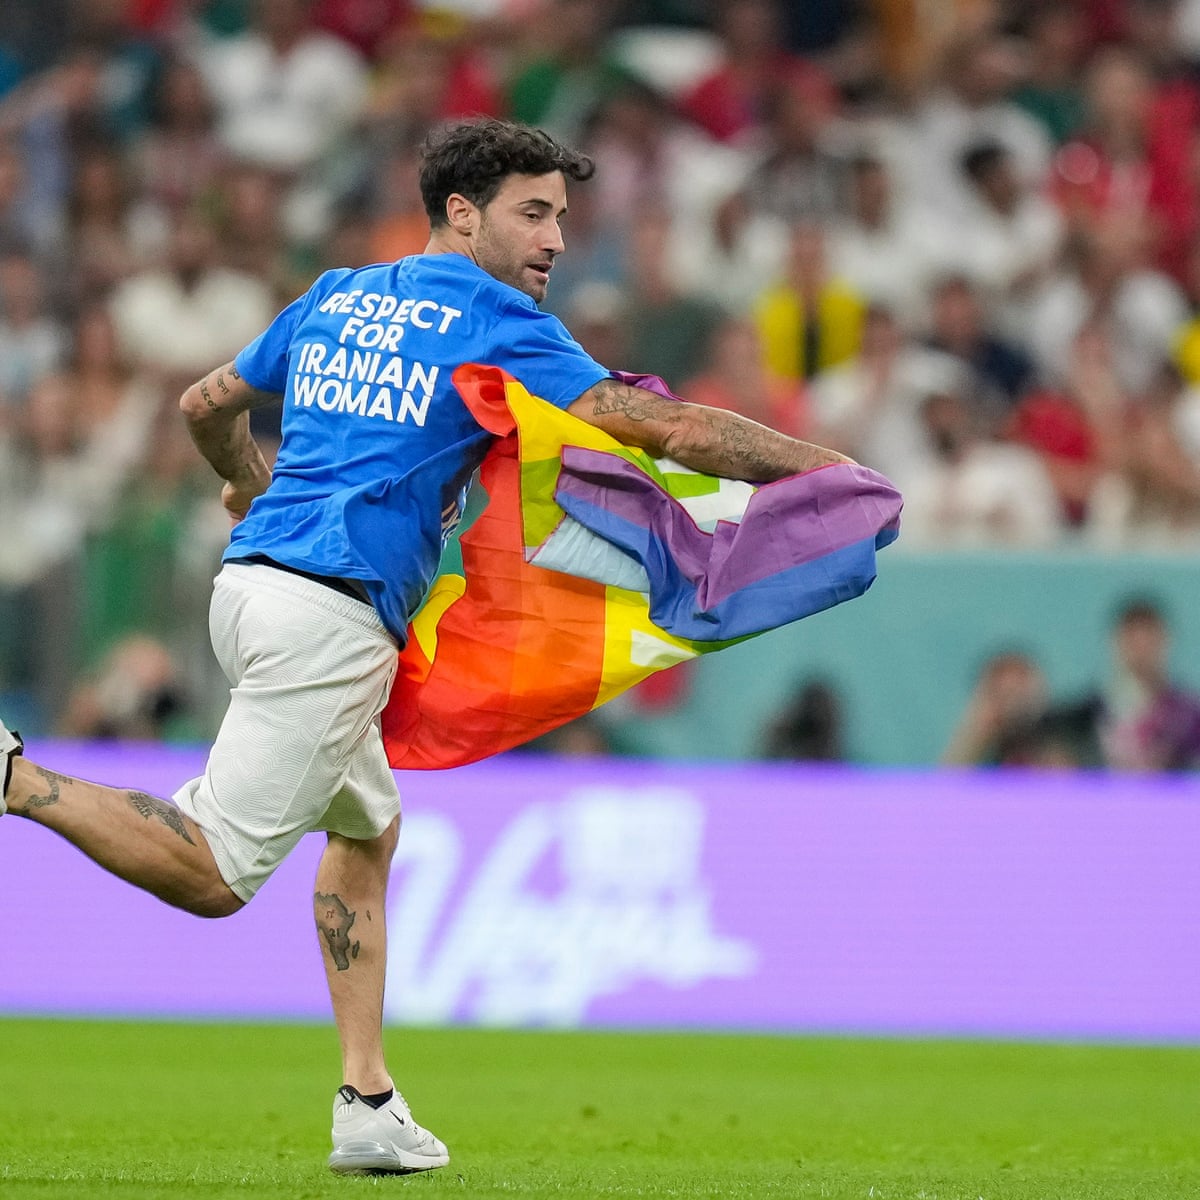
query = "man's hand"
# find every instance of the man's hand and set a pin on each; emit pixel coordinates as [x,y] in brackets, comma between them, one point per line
[710,440]
[217,411]
[237,500]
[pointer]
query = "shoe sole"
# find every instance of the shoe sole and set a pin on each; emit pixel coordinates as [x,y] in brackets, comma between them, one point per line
[370,1158]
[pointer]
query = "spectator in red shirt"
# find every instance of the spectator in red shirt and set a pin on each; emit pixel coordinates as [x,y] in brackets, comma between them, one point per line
[736,377]
[1133,160]
[1076,427]
[733,101]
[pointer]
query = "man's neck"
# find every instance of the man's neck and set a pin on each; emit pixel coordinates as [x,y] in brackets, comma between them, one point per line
[446,241]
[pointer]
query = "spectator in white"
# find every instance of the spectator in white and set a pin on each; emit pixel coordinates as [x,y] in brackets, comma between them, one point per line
[175,318]
[598,321]
[284,90]
[1161,448]
[42,525]
[1184,419]
[1105,275]
[869,408]
[728,256]
[972,106]
[116,408]
[886,249]
[1008,239]
[56,483]
[32,342]
[978,492]
[798,176]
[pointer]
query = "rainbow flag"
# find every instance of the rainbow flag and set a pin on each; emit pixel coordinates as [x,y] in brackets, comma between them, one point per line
[590,565]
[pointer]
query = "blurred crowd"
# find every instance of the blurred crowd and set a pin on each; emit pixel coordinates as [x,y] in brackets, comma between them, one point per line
[1136,718]
[955,239]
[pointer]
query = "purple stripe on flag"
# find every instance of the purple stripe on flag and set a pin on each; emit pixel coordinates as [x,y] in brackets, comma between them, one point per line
[788,596]
[778,599]
[786,524]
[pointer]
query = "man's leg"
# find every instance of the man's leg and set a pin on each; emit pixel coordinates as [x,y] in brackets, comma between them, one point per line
[138,837]
[349,904]
[373,1130]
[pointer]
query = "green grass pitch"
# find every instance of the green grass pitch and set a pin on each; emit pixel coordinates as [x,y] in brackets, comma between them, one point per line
[157,1111]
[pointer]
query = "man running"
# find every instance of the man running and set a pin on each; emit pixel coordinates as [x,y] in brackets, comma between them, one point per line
[332,553]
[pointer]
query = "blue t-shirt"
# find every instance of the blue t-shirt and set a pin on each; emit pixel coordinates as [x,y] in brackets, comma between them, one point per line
[378,447]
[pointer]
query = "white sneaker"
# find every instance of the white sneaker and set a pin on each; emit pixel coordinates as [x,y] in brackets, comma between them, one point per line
[380,1141]
[10,746]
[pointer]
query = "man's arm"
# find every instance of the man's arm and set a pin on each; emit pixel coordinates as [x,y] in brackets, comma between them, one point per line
[217,411]
[706,439]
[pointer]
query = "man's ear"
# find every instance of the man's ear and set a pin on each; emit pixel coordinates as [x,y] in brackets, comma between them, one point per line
[462,215]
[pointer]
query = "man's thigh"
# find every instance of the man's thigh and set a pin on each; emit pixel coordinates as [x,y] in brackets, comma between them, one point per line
[311,671]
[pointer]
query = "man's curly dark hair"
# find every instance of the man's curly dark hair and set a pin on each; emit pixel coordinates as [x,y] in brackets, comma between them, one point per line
[475,157]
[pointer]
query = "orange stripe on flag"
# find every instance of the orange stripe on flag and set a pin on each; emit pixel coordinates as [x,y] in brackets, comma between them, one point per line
[522,649]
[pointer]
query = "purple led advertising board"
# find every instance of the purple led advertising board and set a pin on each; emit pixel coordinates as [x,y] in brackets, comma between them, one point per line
[590,892]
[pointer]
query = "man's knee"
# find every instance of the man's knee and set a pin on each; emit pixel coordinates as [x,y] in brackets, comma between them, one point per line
[388,840]
[378,850]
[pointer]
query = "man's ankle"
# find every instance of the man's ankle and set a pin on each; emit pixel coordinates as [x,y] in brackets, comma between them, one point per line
[375,1099]
[367,1085]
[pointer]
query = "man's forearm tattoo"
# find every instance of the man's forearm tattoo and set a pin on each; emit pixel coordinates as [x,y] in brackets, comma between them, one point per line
[636,404]
[54,782]
[742,448]
[334,922]
[708,439]
[167,814]
[207,395]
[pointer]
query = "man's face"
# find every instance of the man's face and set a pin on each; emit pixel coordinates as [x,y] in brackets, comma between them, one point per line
[518,236]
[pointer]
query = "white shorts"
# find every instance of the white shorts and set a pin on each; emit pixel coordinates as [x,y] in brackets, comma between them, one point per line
[300,747]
